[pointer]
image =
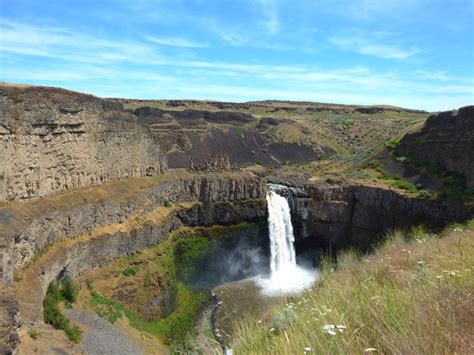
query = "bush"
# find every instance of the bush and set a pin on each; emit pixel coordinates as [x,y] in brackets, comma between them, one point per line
[392,144]
[58,292]
[68,290]
[346,123]
[130,271]
[167,204]
[239,131]
[282,319]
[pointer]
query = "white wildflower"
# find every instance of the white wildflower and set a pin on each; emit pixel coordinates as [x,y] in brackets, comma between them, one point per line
[307,349]
[421,262]
[369,350]
[341,327]
[329,328]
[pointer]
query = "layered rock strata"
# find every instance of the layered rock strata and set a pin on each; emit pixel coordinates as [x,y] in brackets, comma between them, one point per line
[53,139]
[446,139]
[343,215]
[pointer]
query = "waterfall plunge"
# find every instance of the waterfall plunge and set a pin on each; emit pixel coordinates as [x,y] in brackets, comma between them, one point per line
[285,275]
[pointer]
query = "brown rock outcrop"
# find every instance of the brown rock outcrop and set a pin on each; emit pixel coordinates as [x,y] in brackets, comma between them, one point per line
[446,139]
[53,139]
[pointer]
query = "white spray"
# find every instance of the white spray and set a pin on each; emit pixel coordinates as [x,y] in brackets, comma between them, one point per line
[285,275]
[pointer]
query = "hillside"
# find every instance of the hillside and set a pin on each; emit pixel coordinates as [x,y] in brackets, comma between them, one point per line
[412,296]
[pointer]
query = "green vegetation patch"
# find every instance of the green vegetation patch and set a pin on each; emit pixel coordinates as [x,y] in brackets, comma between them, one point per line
[454,183]
[240,132]
[173,262]
[66,292]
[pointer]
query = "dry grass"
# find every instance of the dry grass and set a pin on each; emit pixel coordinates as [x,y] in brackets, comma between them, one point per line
[408,298]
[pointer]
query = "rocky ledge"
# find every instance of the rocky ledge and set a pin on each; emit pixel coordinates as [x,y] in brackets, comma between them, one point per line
[349,214]
[446,139]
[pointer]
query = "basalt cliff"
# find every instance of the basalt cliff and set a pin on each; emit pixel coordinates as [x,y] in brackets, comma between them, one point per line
[85,181]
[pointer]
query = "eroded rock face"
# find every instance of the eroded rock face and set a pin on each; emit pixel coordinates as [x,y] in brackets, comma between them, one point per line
[353,215]
[9,320]
[53,139]
[446,139]
[26,228]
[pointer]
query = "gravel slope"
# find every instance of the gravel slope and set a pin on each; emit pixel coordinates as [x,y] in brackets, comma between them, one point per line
[100,336]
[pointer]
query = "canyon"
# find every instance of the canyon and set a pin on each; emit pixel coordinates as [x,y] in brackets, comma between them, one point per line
[86,181]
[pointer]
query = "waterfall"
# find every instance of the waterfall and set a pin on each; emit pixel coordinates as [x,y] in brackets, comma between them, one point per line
[282,250]
[285,275]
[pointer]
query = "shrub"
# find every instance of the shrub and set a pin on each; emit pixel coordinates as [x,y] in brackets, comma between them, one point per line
[392,144]
[68,290]
[130,271]
[167,204]
[57,292]
[33,333]
[346,123]
[283,318]
[239,131]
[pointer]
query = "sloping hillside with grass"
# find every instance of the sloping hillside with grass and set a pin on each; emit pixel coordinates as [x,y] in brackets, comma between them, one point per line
[414,295]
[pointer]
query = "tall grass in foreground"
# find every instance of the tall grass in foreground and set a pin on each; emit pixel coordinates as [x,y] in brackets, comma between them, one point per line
[407,298]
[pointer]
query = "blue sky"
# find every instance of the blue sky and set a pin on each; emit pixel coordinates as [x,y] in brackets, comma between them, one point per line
[411,53]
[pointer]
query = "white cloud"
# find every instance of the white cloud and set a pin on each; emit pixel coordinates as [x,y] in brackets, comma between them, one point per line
[175,42]
[59,43]
[271,22]
[363,45]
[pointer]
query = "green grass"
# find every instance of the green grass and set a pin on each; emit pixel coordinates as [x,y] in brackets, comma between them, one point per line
[413,296]
[57,293]
[395,181]
[173,328]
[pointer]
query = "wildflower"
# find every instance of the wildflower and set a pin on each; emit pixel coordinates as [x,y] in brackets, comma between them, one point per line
[439,277]
[259,321]
[421,262]
[272,329]
[369,350]
[451,272]
[329,328]
[458,229]
[307,349]
[341,327]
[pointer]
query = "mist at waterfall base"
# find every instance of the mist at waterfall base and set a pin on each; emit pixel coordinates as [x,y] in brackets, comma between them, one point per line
[264,253]
[286,276]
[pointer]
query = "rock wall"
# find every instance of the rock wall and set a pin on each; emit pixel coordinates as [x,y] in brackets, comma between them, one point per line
[9,320]
[53,139]
[446,139]
[355,215]
[25,228]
